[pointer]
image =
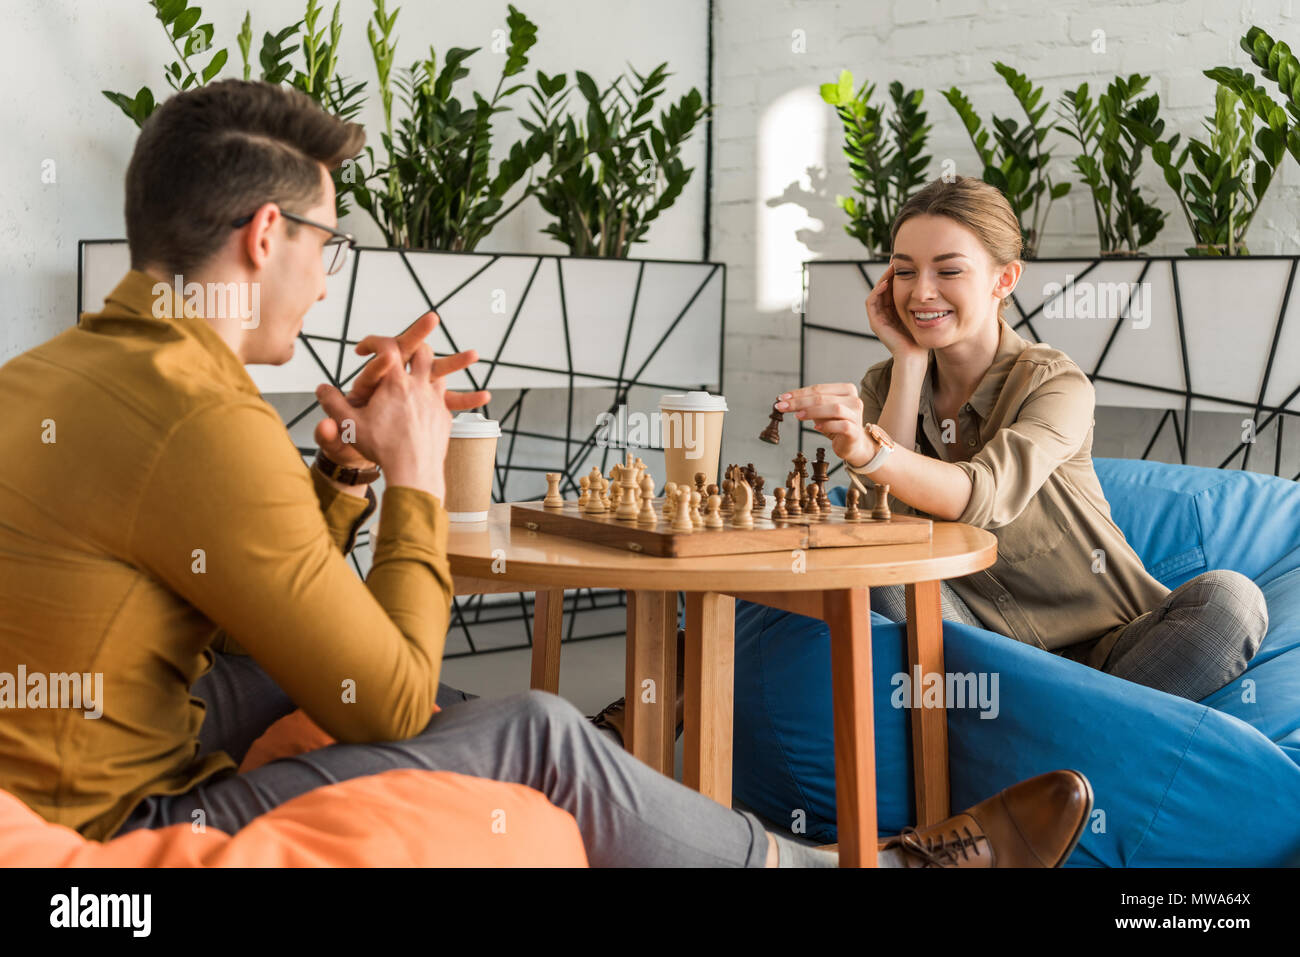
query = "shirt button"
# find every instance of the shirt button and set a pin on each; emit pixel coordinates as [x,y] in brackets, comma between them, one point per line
[1002,599]
[968,407]
[971,443]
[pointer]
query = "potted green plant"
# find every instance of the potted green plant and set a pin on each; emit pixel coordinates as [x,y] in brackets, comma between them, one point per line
[884,153]
[619,169]
[317,77]
[1220,195]
[1015,162]
[435,188]
[1113,132]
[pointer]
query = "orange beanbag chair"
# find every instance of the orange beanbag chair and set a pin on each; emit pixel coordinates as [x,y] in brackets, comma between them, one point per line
[406,818]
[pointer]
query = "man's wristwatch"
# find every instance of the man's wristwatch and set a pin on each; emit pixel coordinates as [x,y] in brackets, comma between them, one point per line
[885,443]
[344,476]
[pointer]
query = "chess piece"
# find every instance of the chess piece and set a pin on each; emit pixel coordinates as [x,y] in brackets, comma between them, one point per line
[778,510]
[851,513]
[628,507]
[801,466]
[810,499]
[615,497]
[760,502]
[881,510]
[553,497]
[584,495]
[821,470]
[727,486]
[670,500]
[700,479]
[647,513]
[742,515]
[597,505]
[697,520]
[682,511]
[792,506]
[772,434]
[714,519]
[712,489]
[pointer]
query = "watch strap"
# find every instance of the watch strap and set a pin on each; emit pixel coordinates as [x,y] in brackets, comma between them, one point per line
[344,475]
[886,447]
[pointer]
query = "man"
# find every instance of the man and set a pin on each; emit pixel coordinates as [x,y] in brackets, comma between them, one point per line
[153,506]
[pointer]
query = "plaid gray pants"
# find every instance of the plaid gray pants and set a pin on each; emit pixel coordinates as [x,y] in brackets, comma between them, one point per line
[1200,637]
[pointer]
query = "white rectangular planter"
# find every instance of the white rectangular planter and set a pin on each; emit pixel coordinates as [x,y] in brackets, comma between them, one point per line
[1161,332]
[537,321]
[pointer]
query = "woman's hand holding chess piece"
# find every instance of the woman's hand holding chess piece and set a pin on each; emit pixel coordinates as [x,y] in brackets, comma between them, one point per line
[836,411]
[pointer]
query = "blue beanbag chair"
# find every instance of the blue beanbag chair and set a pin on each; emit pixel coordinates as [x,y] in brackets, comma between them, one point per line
[1177,783]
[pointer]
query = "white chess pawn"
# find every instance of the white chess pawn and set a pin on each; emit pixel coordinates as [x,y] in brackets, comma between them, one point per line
[670,500]
[682,512]
[647,515]
[697,519]
[712,519]
[584,496]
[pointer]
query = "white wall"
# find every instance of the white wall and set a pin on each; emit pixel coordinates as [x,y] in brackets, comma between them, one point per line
[779,161]
[57,55]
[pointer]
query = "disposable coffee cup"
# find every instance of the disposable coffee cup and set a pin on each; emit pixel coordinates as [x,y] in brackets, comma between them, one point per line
[691,426]
[471,462]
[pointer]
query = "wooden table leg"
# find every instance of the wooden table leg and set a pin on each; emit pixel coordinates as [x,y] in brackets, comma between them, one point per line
[847,613]
[710,687]
[548,623]
[929,725]
[650,720]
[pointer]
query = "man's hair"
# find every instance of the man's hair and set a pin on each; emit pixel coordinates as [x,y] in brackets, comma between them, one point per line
[209,156]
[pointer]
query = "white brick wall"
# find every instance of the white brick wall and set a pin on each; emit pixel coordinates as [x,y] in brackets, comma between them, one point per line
[935,44]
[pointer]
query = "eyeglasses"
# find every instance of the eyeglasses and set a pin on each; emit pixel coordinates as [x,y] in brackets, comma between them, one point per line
[334,254]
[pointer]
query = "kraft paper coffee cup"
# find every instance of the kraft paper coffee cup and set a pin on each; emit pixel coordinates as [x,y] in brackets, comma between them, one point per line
[471,462]
[691,426]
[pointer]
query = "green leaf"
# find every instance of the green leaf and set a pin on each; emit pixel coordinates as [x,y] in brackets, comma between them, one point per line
[185,22]
[214,67]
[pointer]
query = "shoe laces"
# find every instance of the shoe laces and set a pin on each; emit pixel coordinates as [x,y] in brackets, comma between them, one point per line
[941,850]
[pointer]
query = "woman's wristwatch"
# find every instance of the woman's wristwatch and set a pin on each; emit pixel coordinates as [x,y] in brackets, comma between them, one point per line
[344,476]
[885,445]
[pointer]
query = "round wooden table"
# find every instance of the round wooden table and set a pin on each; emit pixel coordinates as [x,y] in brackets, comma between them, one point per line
[827,583]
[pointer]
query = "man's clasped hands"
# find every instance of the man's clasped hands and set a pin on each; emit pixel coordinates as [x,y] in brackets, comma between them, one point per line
[397,415]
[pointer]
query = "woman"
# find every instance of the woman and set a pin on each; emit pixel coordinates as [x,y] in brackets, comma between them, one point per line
[995,431]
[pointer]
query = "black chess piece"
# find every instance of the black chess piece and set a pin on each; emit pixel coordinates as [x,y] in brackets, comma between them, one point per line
[851,513]
[778,510]
[881,511]
[821,470]
[760,502]
[772,434]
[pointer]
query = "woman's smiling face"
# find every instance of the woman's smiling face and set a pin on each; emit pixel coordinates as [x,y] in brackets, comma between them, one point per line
[945,283]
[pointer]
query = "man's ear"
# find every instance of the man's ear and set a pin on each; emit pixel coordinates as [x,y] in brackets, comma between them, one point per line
[258,235]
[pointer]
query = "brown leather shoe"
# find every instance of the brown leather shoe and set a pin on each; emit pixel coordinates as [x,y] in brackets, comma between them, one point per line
[1035,823]
[614,715]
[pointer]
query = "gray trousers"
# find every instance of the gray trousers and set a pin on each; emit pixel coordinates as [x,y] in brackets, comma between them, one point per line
[1200,637]
[628,814]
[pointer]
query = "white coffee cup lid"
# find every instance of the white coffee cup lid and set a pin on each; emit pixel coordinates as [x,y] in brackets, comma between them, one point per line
[474,425]
[694,402]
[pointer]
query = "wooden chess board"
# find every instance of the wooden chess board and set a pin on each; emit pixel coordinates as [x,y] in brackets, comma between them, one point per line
[823,529]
